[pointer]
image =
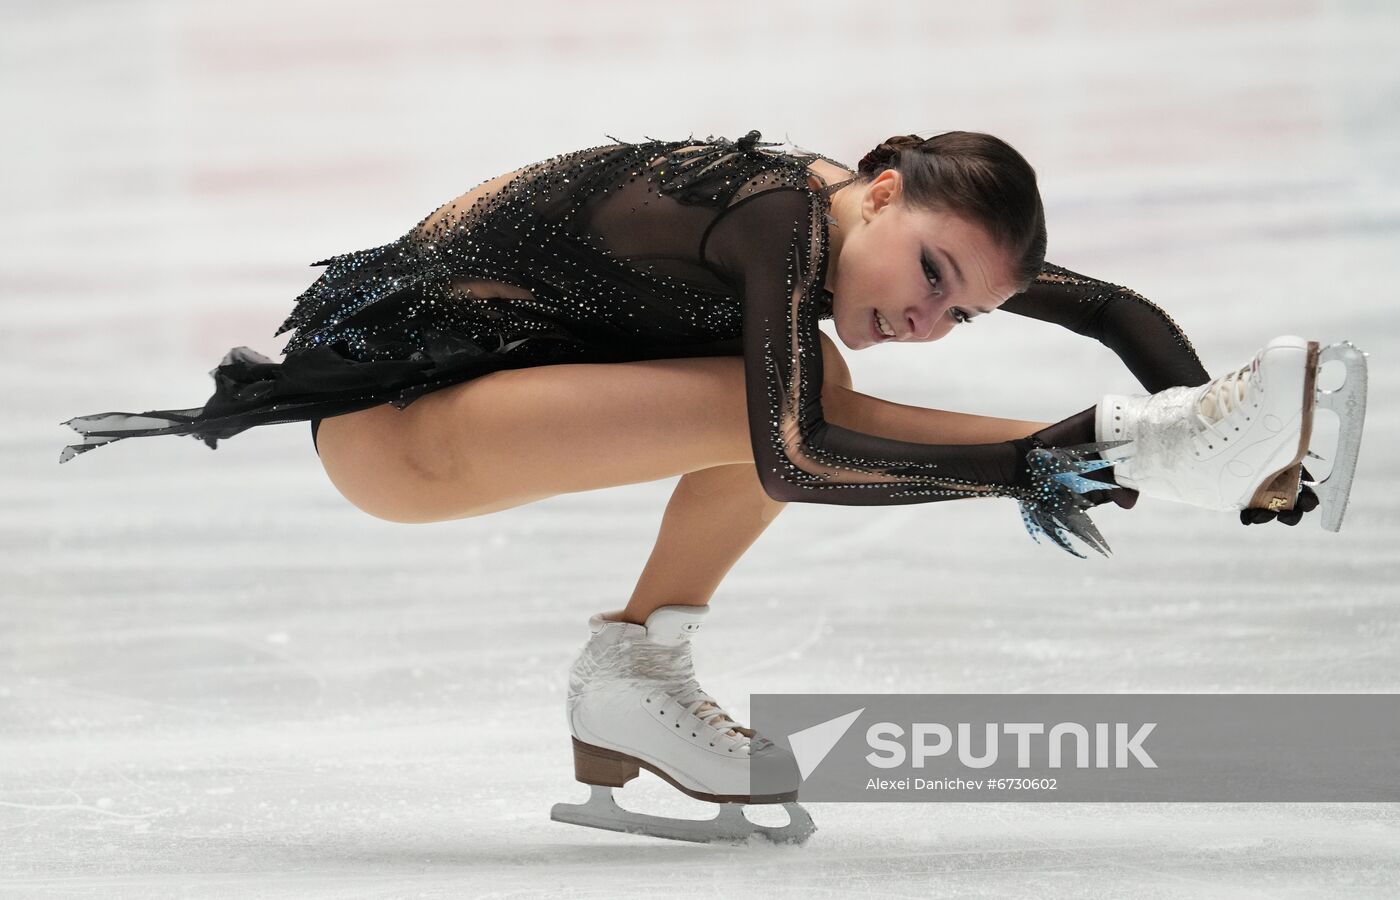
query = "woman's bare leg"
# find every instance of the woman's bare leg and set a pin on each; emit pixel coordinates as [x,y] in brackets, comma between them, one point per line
[872,415]
[716,514]
[712,519]
[516,436]
[477,447]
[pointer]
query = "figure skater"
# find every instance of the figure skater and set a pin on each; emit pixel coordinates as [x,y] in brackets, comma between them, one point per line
[638,311]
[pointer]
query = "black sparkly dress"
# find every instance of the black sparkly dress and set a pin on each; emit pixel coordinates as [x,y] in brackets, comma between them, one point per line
[657,249]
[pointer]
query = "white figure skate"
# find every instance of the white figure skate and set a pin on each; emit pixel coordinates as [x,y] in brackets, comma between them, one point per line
[1239,441]
[634,704]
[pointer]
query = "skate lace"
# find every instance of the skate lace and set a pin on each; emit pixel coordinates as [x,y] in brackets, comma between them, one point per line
[703,706]
[1224,395]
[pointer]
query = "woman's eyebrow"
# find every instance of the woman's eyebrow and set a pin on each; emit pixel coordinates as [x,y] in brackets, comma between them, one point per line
[953,264]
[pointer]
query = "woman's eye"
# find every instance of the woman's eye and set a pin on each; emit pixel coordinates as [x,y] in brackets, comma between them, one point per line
[934,278]
[961,317]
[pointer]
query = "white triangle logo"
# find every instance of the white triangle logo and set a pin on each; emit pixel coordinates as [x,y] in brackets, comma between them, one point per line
[811,745]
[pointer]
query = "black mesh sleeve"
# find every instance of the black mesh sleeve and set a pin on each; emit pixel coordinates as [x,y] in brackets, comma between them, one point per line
[1144,337]
[771,246]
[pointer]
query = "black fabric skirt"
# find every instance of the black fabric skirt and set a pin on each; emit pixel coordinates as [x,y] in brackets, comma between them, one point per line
[252,390]
[396,356]
[379,326]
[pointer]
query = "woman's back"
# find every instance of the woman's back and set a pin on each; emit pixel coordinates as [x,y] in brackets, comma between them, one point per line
[604,245]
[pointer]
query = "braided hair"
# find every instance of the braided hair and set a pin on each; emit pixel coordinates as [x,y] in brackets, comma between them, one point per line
[976,177]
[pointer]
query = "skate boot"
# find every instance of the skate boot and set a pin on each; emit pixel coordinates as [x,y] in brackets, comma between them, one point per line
[1239,441]
[634,703]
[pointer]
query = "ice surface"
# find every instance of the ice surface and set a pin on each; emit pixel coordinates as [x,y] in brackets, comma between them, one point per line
[217,678]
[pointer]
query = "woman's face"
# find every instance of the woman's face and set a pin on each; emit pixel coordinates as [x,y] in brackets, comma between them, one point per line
[923,271]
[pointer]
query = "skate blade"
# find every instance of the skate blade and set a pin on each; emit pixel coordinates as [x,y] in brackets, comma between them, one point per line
[729,826]
[1349,403]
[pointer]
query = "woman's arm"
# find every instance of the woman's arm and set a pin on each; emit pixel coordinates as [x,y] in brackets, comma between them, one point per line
[1151,345]
[769,245]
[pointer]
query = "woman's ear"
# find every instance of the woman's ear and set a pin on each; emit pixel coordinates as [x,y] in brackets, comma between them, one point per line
[886,188]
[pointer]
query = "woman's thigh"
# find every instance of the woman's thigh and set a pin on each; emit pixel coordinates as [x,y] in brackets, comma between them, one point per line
[520,435]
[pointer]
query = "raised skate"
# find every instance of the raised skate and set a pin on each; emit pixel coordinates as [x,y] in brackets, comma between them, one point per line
[634,704]
[1239,441]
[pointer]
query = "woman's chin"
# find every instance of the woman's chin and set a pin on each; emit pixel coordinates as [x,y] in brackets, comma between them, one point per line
[858,345]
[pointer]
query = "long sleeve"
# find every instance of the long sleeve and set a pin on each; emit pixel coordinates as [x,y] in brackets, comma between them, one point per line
[1144,337]
[771,246]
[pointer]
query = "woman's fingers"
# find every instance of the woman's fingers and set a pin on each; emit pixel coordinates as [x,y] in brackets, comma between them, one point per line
[1307,502]
[1124,497]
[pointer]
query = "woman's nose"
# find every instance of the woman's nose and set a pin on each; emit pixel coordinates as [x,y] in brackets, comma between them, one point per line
[920,321]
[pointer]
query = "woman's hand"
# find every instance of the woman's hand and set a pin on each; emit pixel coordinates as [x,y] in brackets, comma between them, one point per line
[1124,497]
[1307,502]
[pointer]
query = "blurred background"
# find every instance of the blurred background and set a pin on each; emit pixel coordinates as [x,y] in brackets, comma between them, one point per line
[218,677]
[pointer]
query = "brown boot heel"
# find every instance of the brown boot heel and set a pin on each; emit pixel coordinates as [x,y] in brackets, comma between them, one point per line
[598,765]
[1280,492]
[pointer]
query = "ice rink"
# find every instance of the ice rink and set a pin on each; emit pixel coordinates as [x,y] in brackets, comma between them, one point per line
[220,679]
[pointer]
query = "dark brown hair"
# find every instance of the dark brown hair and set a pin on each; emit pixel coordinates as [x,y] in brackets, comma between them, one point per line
[976,177]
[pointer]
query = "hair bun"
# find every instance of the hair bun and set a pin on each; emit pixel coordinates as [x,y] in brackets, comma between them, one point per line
[875,159]
[887,153]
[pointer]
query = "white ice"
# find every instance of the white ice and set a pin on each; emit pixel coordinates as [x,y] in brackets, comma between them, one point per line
[218,678]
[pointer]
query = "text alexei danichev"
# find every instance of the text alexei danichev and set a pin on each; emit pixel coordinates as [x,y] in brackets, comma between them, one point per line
[961,784]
